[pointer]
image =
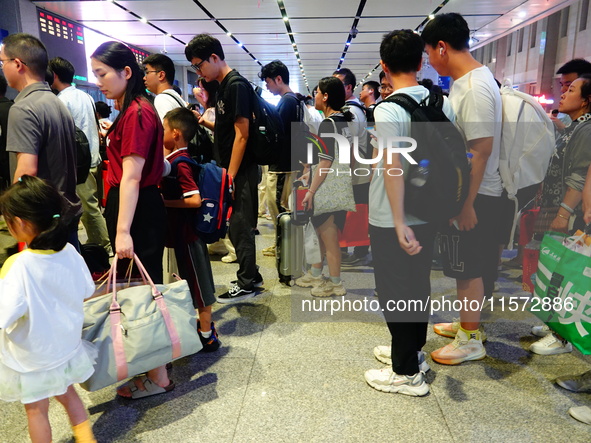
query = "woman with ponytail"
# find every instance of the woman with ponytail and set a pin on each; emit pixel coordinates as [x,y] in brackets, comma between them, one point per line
[135,213]
[330,99]
[41,316]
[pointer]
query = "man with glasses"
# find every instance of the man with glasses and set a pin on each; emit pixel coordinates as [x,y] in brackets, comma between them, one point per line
[159,78]
[385,88]
[41,133]
[233,113]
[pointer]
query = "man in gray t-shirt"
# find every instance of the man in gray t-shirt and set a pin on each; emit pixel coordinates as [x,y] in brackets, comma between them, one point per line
[41,132]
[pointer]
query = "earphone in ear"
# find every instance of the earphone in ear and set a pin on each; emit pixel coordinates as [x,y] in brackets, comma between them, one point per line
[440,51]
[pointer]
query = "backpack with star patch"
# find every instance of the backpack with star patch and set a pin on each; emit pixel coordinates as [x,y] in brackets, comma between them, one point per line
[215,184]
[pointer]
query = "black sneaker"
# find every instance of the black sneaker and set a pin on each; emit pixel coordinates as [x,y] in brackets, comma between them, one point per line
[350,260]
[236,294]
[257,282]
[212,343]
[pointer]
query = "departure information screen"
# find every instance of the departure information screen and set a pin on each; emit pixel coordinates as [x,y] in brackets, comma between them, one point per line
[64,38]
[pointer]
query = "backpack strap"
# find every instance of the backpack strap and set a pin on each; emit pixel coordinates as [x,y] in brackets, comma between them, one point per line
[410,105]
[357,105]
[181,159]
[405,101]
[183,105]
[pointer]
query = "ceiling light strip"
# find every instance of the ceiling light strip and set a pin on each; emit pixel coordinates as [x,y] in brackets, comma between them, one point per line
[352,32]
[294,45]
[145,21]
[431,16]
[417,29]
[226,31]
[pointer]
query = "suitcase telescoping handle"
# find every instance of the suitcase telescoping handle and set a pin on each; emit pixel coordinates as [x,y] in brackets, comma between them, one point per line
[117,327]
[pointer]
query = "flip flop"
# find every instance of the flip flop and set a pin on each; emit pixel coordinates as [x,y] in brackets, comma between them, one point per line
[151,388]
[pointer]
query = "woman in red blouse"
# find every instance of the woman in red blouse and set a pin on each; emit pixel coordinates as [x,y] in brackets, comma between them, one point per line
[135,213]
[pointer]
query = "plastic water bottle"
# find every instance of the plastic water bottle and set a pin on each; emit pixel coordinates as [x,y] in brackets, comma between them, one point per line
[419,176]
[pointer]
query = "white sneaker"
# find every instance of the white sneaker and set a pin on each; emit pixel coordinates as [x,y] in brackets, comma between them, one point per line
[384,354]
[463,348]
[581,413]
[386,380]
[328,288]
[229,258]
[550,345]
[309,281]
[541,331]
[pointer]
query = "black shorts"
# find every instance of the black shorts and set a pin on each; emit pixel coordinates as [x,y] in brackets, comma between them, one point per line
[339,219]
[474,254]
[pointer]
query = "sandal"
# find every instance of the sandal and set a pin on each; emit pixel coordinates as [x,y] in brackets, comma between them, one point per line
[150,388]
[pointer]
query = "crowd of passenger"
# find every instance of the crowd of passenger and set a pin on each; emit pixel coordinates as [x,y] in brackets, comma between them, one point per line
[148,213]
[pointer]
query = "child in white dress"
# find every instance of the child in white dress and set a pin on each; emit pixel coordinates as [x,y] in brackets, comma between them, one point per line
[42,290]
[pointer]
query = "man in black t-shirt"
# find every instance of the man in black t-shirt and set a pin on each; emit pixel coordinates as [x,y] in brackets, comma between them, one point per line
[276,77]
[232,150]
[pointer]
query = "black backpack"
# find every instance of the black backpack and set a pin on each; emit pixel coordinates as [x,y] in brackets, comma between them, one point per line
[442,144]
[82,156]
[266,137]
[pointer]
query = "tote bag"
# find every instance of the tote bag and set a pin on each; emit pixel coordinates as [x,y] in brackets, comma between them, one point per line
[562,295]
[336,191]
[138,328]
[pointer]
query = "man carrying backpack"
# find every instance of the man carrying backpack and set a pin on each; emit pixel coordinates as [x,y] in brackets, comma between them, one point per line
[276,78]
[358,128]
[233,151]
[370,93]
[81,106]
[159,78]
[402,244]
[41,132]
[469,246]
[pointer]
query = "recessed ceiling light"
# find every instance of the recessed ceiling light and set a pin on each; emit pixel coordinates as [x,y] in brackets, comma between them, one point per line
[144,20]
[285,18]
[431,16]
[229,34]
[522,14]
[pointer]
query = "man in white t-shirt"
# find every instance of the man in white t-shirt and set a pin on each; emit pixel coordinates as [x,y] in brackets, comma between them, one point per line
[469,246]
[360,180]
[159,78]
[402,244]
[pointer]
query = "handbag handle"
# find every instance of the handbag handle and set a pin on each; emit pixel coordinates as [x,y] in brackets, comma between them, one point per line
[117,328]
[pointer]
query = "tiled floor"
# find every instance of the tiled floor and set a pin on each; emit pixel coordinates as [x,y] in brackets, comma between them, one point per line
[281,377]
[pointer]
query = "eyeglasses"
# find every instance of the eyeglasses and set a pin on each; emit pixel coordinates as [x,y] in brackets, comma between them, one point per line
[197,67]
[383,88]
[10,60]
[146,71]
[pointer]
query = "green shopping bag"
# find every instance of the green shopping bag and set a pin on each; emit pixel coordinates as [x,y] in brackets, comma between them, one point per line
[562,295]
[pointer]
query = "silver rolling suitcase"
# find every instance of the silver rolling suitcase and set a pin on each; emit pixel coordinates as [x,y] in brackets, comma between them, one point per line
[290,249]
